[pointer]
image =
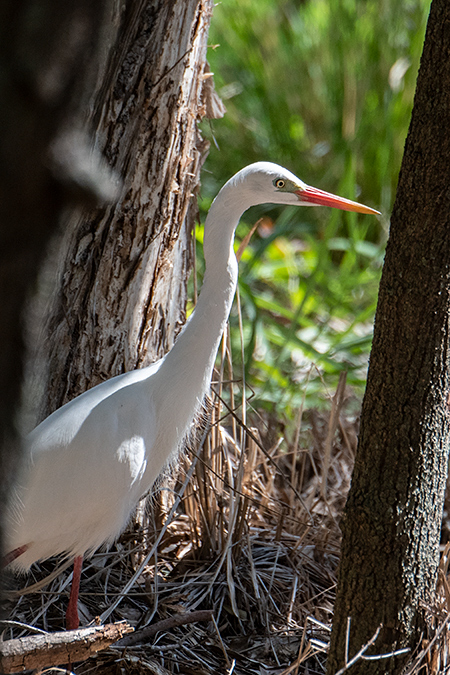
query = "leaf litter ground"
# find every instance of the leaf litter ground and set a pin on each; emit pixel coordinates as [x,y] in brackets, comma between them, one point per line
[245,525]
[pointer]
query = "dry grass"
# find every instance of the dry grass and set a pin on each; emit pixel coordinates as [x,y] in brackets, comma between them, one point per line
[245,526]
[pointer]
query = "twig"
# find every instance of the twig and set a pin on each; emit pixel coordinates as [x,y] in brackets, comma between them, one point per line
[347,639]
[359,654]
[216,628]
[165,625]
[44,651]
[386,655]
[26,626]
[244,243]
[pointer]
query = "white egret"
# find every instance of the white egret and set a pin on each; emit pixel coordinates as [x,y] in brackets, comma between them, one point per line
[89,462]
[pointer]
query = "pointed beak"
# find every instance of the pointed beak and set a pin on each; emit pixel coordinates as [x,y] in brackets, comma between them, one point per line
[312,195]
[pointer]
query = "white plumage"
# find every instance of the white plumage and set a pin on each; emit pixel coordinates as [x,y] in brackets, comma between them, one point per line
[90,461]
[88,465]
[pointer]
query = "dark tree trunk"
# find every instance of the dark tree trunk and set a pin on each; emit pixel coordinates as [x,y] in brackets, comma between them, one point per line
[121,292]
[392,520]
[46,49]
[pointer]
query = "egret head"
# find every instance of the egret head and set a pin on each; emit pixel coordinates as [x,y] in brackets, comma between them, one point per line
[265,182]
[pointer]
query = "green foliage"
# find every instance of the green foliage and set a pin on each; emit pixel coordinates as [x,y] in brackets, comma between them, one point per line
[324,88]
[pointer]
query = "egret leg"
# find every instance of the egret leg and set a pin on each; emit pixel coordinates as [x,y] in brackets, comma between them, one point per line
[12,555]
[72,620]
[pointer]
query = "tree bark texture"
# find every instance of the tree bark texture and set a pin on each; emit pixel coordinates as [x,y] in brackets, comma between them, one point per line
[392,520]
[39,652]
[46,49]
[121,292]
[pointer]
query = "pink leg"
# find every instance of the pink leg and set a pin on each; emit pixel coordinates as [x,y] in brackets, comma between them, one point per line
[72,620]
[12,555]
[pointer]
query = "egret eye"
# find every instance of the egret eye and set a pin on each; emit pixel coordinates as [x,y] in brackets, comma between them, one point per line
[280,183]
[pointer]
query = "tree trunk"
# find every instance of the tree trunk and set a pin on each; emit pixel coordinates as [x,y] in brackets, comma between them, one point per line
[46,49]
[392,520]
[121,292]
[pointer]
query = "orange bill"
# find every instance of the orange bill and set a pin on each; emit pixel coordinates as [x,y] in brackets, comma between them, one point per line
[311,195]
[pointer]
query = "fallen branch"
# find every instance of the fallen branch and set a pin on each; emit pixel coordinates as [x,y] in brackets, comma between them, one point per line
[52,649]
[166,624]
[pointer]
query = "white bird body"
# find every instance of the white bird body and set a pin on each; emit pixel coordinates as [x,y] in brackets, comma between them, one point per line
[71,492]
[90,461]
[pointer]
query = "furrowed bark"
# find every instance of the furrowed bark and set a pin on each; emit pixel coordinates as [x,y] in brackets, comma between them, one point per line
[392,520]
[122,284]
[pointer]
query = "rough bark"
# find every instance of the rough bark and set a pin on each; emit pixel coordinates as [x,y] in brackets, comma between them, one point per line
[51,649]
[46,49]
[122,284]
[392,519]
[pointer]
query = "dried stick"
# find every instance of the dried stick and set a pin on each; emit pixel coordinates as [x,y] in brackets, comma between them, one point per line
[166,624]
[52,649]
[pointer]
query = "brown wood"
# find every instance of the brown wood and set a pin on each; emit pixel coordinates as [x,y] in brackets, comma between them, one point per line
[182,619]
[121,288]
[392,520]
[53,649]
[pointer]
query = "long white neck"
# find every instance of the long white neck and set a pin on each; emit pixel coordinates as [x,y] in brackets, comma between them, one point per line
[186,371]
